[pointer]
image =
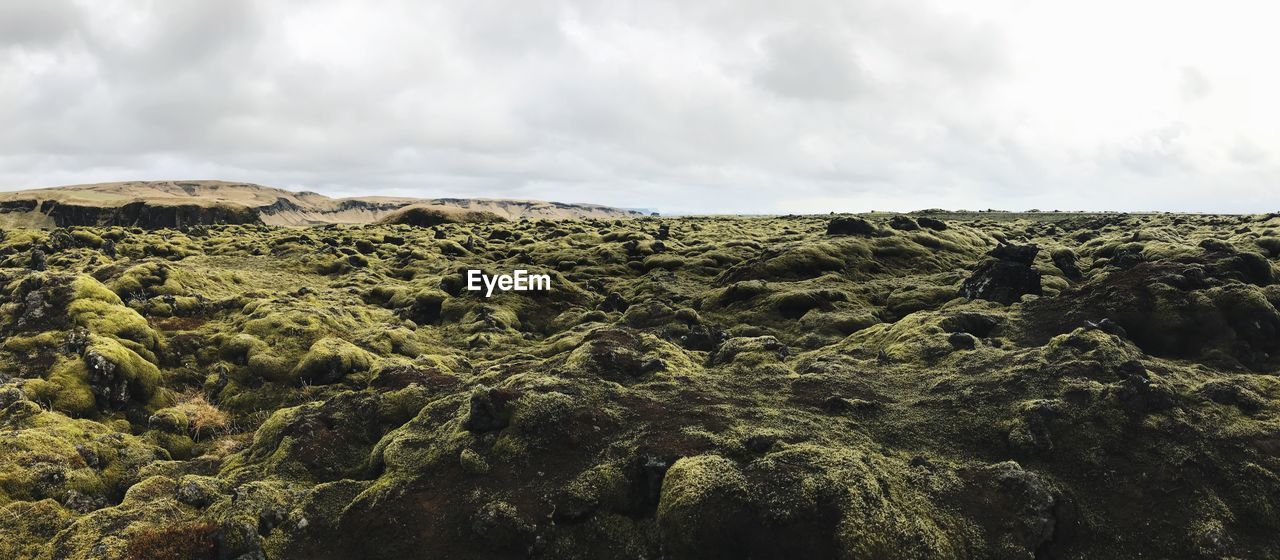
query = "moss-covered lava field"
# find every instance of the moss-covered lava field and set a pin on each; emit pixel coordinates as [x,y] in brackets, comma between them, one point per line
[783,387]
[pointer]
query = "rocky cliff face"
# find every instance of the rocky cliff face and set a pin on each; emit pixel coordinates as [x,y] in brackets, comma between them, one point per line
[144,215]
[53,213]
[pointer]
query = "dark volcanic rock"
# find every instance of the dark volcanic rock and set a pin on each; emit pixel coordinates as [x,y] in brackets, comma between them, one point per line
[1021,254]
[614,302]
[1065,260]
[1006,276]
[490,410]
[850,226]
[10,395]
[111,390]
[703,337]
[962,341]
[38,260]
[931,223]
[903,223]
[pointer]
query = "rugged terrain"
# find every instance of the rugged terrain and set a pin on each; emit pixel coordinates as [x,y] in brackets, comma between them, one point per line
[789,387]
[156,204]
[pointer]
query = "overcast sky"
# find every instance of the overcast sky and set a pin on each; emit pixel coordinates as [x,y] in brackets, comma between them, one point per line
[684,105]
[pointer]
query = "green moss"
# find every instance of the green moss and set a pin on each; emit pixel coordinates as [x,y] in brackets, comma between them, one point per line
[34,343]
[66,389]
[812,396]
[270,367]
[100,310]
[908,300]
[795,304]
[840,323]
[473,462]
[108,532]
[87,238]
[542,416]
[52,456]
[699,495]
[25,527]
[241,347]
[315,516]
[398,407]
[606,535]
[178,446]
[172,420]
[331,359]
[665,262]
[812,259]
[142,376]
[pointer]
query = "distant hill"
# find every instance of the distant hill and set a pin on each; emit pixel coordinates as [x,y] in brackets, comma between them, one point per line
[157,204]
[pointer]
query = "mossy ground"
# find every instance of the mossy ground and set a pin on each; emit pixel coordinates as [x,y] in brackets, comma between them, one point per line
[689,388]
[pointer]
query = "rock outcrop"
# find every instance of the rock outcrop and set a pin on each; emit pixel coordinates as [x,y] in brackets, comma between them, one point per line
[148,216]
[1006,276]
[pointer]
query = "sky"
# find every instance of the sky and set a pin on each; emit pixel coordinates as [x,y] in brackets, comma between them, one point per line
[685,106]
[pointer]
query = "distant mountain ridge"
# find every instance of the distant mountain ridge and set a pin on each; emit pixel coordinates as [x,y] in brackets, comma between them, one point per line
[158,204]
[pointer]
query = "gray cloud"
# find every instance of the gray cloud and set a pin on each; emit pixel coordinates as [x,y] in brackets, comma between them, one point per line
[811,64]
[742,106]
[35,24]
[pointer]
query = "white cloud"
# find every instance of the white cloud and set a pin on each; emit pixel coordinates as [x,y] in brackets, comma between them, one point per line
[730,106]
[1195,85]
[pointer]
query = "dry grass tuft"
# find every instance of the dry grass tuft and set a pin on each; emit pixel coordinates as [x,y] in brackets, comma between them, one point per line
[205,419]
[188,541]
